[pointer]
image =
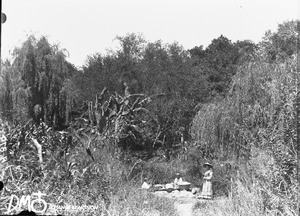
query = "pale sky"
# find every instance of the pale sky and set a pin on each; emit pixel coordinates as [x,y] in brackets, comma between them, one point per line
[85,27]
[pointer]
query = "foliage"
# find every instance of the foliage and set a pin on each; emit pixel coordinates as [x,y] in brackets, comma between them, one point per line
[37,76]
[6,101]
[218,62]
[277,46]
[161,71]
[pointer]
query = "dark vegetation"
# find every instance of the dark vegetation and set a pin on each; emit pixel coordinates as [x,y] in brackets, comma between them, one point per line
[153,109]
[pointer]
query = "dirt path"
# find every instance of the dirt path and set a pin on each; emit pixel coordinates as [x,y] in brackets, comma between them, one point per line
[185,202]
[185,208]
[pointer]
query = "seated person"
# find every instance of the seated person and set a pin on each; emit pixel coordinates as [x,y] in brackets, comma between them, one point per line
[177,180]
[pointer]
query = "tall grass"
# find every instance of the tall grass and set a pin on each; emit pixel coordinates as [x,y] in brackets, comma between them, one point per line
[72,177]
[249,196]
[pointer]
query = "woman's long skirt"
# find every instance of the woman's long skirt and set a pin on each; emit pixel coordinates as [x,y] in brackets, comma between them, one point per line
[207,192]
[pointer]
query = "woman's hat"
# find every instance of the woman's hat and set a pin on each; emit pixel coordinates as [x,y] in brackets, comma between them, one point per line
[208,164]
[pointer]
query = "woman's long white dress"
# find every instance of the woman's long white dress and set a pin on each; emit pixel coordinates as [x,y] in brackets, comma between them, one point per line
[207,192]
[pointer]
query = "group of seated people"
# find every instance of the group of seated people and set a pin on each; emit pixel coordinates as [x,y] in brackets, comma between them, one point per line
[178,181]
[175,183]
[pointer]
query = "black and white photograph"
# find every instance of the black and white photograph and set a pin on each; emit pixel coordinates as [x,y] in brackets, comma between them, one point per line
[150,107]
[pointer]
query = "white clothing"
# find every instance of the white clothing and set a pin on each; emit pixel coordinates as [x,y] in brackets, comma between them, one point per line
[177,181]
[146,185]
[207,192]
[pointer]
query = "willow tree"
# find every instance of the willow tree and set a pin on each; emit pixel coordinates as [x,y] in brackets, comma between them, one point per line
[41,70]
[6,103]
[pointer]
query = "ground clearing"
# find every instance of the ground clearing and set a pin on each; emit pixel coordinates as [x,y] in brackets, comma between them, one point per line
[185,202]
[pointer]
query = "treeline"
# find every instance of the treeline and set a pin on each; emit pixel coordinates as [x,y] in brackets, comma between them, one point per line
[40,84]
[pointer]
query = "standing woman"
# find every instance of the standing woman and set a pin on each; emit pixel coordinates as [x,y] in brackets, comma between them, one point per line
[207,192]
